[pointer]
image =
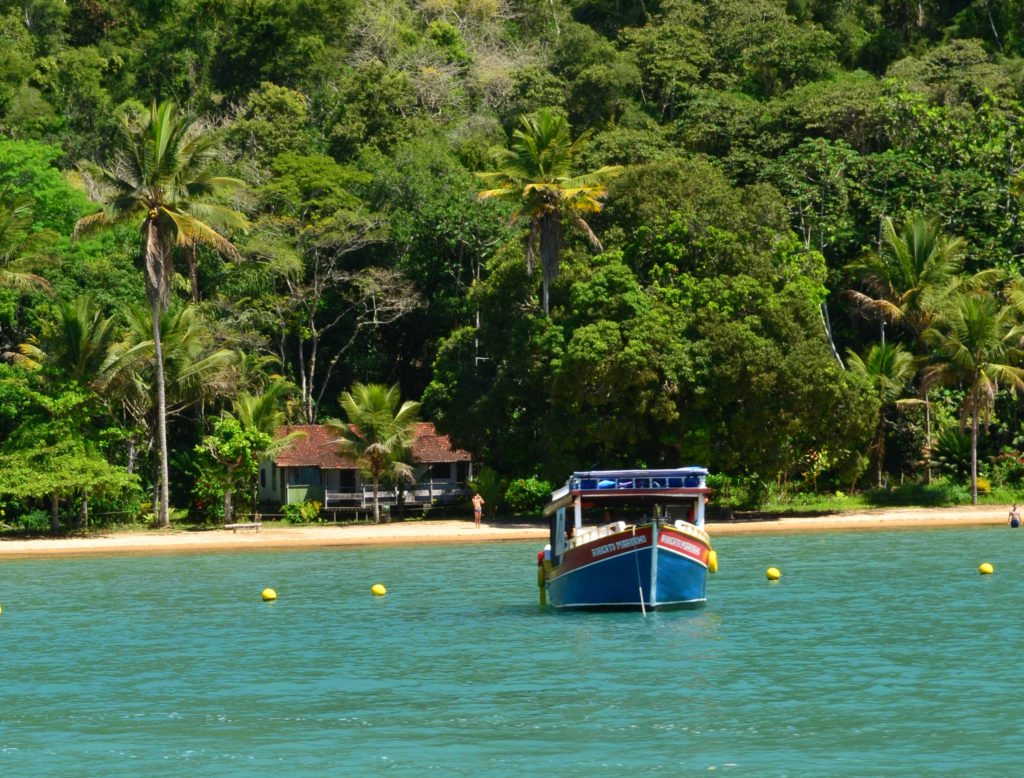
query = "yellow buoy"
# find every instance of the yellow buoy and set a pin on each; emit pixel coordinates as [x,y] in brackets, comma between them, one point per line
[773,574]
[269,594]
[986,568]
[379,590]
[712,561]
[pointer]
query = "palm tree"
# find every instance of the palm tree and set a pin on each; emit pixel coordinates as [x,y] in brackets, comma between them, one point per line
[162,174]
[887,368]
[378,433]
[537,178]
[263,411]
[196,370]
[19,245]
[915,268]
[909,274]
[978,346]
[258,417]
[78,343]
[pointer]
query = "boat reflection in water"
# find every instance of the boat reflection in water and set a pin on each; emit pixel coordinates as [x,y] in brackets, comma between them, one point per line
[627,540]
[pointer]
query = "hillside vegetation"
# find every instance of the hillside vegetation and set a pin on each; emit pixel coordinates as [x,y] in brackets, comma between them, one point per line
[779,239]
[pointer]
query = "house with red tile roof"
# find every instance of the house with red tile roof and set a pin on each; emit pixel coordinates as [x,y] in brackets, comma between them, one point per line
[311,469]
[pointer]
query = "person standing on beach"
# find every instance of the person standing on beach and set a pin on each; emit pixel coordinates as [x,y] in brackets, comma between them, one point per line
[478,508]
[1014,517]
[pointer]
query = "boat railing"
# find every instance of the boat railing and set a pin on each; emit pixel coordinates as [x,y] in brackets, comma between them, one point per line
[586,535]
[690,529]
[690,480]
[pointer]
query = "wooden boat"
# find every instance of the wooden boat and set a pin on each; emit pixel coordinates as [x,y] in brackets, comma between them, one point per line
[628,540]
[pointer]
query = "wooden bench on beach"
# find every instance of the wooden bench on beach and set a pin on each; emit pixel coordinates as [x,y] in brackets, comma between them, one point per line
[245,525]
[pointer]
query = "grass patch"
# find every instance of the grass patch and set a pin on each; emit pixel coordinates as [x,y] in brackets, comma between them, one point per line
[910,495]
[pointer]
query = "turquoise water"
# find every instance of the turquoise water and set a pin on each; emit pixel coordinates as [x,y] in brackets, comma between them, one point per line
[876,654]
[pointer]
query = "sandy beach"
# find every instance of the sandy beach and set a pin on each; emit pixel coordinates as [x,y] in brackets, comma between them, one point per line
[272,537]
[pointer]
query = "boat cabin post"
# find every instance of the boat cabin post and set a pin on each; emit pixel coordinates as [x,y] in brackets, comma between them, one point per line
[698,512]
[557,535]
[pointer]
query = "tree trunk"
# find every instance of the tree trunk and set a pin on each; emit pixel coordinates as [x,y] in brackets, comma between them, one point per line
[974,455]
[928,440]
[163,515]
[55,511]
[879,456]
[193,272]
[376,501]
[227,501]
[83,512]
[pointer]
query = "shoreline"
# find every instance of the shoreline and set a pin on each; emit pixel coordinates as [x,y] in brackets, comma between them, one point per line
[458,531]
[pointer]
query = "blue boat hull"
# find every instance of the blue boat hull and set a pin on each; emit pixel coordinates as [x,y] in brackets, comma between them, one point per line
[624,580]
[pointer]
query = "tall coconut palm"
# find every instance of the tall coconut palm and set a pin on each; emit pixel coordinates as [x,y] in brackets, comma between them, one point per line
[19,245]
[914,269]
[537,177]
[888,369]
[977,342]
[378,432]
[162,174]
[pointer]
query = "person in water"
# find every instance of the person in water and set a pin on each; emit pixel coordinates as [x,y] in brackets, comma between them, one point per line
[1014,520]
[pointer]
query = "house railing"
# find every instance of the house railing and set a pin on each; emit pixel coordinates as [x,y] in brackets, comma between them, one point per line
[419,494]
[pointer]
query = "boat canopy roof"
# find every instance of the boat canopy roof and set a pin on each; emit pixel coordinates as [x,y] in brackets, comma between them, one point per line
[643,486]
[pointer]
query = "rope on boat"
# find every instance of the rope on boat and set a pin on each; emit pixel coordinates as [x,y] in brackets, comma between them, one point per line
[639,583]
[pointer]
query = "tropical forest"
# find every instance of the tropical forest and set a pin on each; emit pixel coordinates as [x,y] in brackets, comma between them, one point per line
[780,239]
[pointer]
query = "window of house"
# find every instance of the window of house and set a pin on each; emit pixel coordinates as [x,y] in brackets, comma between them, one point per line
[304,476]
[441,470]
[461,472]
[263,478]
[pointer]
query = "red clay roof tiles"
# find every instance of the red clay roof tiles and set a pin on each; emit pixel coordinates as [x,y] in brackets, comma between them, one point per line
[317,448]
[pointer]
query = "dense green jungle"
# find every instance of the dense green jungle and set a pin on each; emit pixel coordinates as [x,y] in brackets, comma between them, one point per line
[778,239]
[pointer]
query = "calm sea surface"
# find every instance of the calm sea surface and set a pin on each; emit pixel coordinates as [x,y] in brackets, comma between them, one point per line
[876,654]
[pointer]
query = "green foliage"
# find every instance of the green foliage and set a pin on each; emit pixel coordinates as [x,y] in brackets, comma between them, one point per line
[764,144]
[56,444]
[306,512]
[275,121]
[1007,469]
[27,168]
[527,495]
[952,492]
[953,453]
[229,459]
[208,496]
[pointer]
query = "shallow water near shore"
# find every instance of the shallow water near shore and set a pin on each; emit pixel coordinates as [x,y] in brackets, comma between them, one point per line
[881,653]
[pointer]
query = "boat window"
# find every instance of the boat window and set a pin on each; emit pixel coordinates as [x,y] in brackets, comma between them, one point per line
[692,480]
[605,483]
[657,483]
[643,483]
[626,484]
[588,483]
[675,483]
